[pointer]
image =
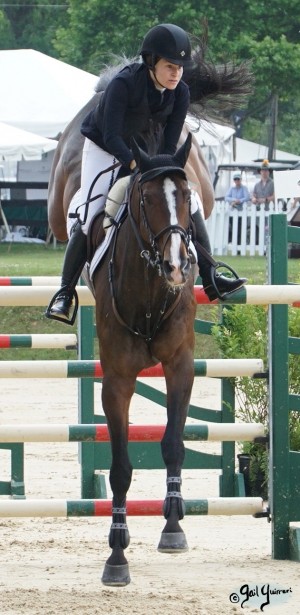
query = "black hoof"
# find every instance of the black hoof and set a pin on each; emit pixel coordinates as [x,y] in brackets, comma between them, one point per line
[172,543]
[116,576]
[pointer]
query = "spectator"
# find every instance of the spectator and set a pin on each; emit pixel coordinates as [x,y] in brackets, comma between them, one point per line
[238,194]
[264,189]
[295,201]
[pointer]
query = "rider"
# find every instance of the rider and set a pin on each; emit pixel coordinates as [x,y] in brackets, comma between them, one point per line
[147,97]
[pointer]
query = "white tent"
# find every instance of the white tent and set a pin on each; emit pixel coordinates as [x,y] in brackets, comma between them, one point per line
[41,94]
[215,140]
[248,150]
[209,133]
[17,144]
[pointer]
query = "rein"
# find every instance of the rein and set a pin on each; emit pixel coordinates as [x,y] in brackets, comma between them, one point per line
[152,258]
[90,199]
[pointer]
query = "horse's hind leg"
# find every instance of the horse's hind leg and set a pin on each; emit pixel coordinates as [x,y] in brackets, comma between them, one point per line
[116,396]
[179,387]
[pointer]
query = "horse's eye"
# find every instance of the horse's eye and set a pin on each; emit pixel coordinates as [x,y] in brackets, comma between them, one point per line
[187,194]
[147,199]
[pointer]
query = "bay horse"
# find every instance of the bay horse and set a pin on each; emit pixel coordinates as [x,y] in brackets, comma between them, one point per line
[145,306]
[145,310]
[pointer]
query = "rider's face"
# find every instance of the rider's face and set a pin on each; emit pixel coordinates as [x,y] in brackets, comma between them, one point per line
[167,74]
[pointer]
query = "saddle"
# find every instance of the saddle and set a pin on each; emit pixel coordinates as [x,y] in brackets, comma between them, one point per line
[103,224]
[96,235]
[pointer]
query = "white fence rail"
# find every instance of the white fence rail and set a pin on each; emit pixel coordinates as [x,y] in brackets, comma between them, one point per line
[243,232]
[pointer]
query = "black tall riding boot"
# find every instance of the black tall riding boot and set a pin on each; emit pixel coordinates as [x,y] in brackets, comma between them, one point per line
[75,258]
[215,285]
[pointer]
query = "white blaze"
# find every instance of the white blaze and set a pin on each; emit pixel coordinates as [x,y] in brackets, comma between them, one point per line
[170,190]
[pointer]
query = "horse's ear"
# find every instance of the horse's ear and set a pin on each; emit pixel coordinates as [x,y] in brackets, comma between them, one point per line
[142,159]
[182,153]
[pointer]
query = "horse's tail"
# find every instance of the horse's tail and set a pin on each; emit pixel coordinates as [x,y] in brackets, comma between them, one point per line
[216,88]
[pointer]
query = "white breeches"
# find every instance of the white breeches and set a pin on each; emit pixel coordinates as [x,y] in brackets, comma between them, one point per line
[196,203]
[94,160]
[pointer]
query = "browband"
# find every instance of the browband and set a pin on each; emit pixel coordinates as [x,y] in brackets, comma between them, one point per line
[152,173]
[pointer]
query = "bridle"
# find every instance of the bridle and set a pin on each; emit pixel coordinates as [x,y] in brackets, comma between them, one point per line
[153,257]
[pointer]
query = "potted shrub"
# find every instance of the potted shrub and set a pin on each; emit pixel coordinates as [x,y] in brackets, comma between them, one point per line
[253,464]
[243,334]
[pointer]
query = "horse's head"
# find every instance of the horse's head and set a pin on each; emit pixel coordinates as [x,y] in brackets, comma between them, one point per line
[164,199]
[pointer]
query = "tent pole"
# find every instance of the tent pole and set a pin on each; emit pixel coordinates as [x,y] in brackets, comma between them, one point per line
[2,215]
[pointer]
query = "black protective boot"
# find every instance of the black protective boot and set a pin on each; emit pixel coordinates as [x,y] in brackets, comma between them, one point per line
[215,285]
[61,305]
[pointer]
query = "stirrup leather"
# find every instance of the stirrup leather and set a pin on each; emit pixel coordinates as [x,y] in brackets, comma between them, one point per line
[73,294]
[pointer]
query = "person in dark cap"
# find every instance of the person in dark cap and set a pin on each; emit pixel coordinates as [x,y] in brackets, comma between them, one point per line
[263,192]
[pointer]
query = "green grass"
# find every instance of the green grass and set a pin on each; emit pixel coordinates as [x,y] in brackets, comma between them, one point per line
[37,260]
[31,260]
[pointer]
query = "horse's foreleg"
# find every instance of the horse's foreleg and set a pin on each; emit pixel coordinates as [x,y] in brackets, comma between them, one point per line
[179,386]
[116,397]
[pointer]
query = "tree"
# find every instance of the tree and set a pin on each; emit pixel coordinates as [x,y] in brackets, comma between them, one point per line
[94,33]
[33,24]
[100,30]
[6,33]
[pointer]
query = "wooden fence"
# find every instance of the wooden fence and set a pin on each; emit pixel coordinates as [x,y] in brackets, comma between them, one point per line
[231,232]
[243,232]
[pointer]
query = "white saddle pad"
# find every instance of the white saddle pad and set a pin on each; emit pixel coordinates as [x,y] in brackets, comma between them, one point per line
[102,249]
[76,201]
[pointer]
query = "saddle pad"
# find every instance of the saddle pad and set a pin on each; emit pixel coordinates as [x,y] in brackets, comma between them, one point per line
[193,250]
[75,203]
[102,249]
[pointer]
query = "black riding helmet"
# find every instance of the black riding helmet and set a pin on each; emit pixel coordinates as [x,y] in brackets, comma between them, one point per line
[169,42]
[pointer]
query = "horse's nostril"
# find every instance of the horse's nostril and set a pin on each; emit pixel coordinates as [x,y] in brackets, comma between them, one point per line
[168,267]
[183,269]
